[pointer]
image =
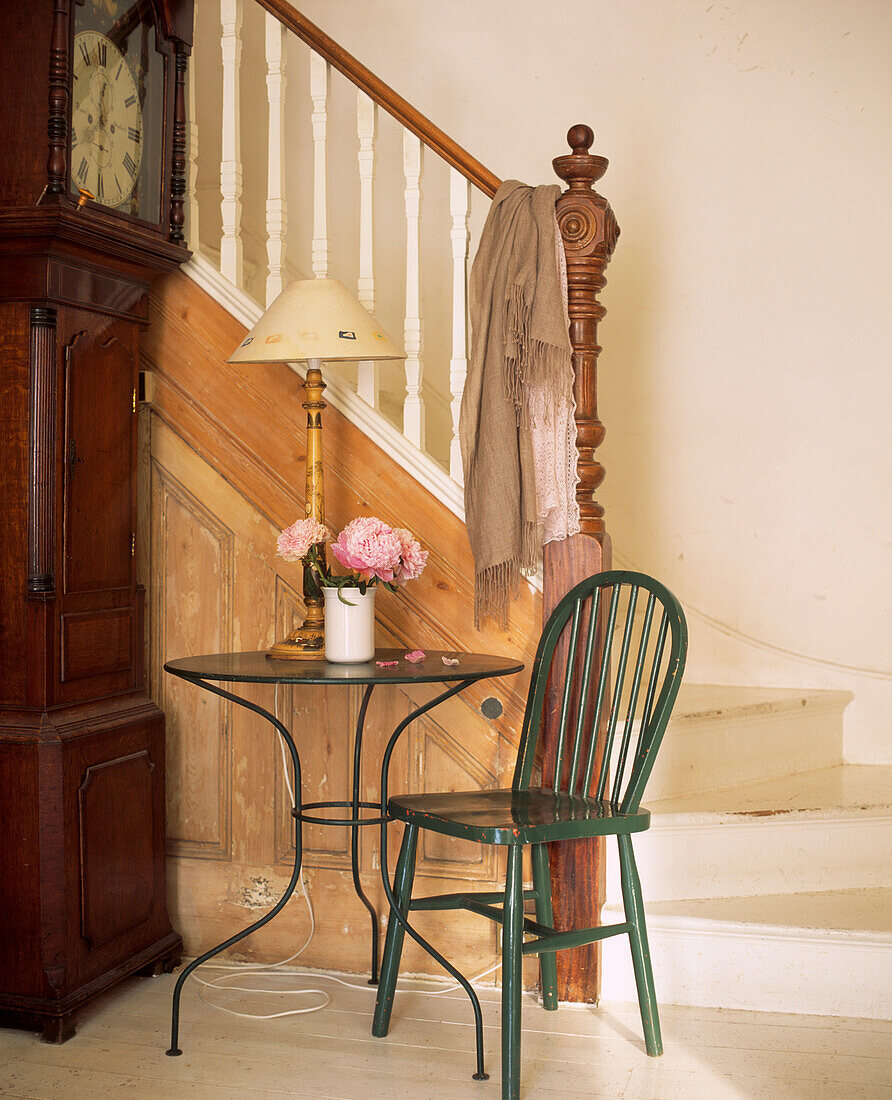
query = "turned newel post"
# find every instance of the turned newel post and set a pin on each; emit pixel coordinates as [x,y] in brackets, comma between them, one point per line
[589,231]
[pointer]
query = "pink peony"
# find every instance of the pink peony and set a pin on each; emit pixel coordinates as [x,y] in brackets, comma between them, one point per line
[412,558]
[295,541]
[369,547]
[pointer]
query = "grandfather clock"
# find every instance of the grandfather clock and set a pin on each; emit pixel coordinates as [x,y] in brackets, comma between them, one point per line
[92,118]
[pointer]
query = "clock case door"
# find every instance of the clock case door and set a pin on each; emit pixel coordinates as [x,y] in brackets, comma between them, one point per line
[82,752]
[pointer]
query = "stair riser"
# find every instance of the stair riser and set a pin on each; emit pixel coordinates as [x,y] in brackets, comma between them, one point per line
[700,754]
[758,855]
[699,963]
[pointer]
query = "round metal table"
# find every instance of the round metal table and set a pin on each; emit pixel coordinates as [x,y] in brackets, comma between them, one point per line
[256,668]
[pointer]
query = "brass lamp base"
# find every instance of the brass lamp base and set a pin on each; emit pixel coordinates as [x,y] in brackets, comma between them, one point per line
[307,643]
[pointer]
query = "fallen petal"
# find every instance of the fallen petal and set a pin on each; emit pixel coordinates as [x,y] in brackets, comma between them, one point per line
[449,660]
[386,664]
[415,656]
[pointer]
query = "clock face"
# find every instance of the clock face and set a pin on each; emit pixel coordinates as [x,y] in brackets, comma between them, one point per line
[119,66]
[106,121]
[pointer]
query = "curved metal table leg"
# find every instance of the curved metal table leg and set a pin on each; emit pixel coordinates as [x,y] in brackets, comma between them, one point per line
[395,913]
[295,875]
[354,829]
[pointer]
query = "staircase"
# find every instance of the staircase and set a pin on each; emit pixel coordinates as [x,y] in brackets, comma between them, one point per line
[766,886]
[765,866]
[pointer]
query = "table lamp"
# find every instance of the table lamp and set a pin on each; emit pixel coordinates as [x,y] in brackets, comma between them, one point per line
[312,320]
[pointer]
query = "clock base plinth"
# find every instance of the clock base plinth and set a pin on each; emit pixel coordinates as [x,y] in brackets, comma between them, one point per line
[56,1017]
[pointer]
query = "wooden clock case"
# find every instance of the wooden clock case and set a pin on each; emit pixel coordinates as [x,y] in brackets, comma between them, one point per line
[82,755]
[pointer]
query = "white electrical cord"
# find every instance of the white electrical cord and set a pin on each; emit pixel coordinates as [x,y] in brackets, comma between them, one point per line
[271,970]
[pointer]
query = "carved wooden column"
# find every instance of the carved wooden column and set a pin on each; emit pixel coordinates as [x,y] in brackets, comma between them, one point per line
[178,147]
[41,449]
[589,232]
[59,96]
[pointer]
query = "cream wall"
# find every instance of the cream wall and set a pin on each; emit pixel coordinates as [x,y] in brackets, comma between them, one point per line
[744,382]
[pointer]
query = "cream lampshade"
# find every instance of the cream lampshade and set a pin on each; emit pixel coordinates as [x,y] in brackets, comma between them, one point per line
[312,320]
[316,319]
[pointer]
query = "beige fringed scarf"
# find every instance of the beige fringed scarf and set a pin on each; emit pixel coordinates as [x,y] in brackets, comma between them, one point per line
[520,345]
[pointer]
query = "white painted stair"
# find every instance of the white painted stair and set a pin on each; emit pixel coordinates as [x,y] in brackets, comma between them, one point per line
[765,885]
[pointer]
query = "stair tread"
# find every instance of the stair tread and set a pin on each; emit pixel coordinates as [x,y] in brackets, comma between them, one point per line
[856,911]
[839,790]
[697,702]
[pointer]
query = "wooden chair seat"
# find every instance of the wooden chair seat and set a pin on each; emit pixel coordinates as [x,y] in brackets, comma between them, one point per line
[516,817]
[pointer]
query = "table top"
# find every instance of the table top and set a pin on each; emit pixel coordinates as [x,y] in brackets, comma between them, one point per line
[257,668]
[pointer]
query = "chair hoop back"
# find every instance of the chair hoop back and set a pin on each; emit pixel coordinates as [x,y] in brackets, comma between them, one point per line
[607,670]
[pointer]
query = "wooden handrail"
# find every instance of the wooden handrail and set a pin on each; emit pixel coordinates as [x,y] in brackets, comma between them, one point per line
[383,95]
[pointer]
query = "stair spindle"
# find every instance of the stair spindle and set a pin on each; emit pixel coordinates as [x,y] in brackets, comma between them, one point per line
[319,96]
[231,255]
[276,214]
[459,208]
[413,408]
[367,376]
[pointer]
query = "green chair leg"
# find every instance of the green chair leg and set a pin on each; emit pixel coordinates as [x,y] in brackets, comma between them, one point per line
[512,977]
[545,915]
[393,943]
[644,978]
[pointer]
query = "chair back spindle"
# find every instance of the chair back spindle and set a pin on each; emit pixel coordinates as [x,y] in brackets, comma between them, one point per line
[615,702]
[567,695]
[633,699]
[614,707]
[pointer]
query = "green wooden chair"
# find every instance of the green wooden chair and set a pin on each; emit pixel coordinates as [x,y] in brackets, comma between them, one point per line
[627,697]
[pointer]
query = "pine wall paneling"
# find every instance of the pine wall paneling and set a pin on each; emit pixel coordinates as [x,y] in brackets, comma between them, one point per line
[222,454]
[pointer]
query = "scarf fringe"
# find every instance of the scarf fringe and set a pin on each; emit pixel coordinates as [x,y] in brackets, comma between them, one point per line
[529,362]
[497,585]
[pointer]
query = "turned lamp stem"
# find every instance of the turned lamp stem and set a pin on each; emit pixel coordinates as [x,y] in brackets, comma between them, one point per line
[308,640]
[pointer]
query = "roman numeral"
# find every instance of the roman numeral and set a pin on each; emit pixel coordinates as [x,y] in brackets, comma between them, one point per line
[100,190]
[118,73]
[82,170]
[102,53]
[133,134]
[129,164]
[85,53]
[129,101]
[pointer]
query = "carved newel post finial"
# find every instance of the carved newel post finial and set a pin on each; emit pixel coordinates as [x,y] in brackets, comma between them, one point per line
[589,232]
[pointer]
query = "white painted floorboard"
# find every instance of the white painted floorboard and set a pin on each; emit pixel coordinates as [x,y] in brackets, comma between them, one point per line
[579,1051]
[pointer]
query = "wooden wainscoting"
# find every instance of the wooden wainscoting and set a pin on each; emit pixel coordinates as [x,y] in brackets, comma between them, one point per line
[222,468]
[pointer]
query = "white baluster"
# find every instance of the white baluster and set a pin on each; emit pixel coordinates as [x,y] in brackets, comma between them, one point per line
[459,206]
[367,372]
[231,263]
[413,409]
[192,228]
[276,215]
[319,96]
